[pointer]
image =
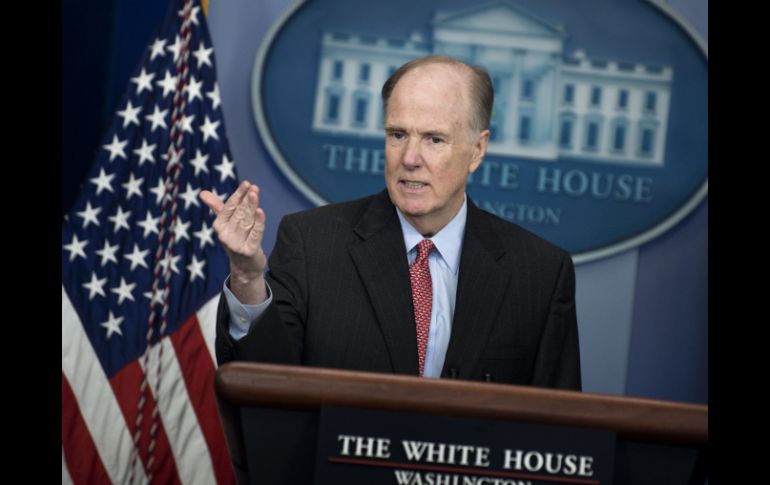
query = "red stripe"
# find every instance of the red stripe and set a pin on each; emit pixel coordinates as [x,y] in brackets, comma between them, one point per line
[198,371]
[125,384]
[83,462]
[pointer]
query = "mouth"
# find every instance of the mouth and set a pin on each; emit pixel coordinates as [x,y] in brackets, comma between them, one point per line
[412,184]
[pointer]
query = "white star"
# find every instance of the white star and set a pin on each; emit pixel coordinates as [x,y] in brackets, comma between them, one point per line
[124,291]
[193,89]
[187,123]
[190,196]
[204,235]
[214,95]
[168,83]
[199,162]
[180,230]
[95,286]
[175,48]
[157,118]
[89,215]
[103,181]
[145,153]
[157,298]
[116,148]
[174,261]
[108,253]
[203,55]
[209,129]
[157,48]
[113,325]
[143,81]
[132,186]
[120,219]
[196,269]
[76,247]
[225,169]
[149,224]
[129,114]
[193,14]
[159,190]
[137,257]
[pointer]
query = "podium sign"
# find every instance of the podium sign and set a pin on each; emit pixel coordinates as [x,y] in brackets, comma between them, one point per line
[379,447]
[299,425]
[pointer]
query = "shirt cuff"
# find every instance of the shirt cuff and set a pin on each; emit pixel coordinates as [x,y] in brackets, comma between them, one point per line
[242,317]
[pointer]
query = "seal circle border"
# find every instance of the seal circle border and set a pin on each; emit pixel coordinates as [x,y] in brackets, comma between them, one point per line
[299,183]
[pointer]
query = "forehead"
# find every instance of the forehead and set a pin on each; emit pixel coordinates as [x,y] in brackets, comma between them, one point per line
[432,92]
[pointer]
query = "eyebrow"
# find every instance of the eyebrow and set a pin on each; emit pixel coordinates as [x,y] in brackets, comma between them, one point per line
[429,133]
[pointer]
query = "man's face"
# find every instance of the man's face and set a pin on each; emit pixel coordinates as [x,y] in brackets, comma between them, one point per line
[429,146]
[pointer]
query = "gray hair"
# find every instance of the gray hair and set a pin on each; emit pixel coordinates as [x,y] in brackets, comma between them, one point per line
[481,95]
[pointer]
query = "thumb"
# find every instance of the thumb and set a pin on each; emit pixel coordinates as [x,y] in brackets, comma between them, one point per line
[212,201]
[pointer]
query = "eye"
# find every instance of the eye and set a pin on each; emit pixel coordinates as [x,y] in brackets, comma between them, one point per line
[436,140]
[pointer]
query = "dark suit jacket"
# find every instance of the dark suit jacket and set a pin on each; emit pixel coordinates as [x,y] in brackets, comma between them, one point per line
[342,299]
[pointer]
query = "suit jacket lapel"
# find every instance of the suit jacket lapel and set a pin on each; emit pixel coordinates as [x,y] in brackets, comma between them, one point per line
[480,291]
[380,258]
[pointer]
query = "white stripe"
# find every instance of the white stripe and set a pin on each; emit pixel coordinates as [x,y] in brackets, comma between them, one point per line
[65,473]
[207,319]
[98,405]
[188,445]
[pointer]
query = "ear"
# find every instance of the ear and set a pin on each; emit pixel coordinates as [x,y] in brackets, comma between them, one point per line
[479,150]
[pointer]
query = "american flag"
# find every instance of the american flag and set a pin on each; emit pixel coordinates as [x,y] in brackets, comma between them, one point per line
[141,275]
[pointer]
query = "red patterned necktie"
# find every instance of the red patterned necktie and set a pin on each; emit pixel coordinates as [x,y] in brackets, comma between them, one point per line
[422,296]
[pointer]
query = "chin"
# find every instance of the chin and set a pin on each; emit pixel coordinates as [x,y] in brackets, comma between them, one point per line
[413,210]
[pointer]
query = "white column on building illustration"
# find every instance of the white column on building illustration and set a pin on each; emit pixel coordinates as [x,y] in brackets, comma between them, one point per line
[320,97]
[510,135]
[544,107]
[634,114]
[603,121]
[346,105]
[552,94]
[608,100]
[504,117]
[582,89]
[373,112]
[663,106]
[380,73]
[631,117]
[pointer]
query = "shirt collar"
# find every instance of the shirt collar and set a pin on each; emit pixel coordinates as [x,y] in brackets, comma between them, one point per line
[448,241]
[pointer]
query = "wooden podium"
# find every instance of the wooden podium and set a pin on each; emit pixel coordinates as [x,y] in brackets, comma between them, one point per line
[270,417]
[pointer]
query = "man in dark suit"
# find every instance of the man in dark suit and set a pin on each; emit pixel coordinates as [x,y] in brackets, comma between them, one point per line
[413,280]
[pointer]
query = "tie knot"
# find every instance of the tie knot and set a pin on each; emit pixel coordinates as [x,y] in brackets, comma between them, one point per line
[424,248]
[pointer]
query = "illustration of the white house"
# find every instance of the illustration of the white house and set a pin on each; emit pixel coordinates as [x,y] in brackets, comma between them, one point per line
[547,104]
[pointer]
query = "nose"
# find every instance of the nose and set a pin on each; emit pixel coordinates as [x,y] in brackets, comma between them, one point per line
[412,158]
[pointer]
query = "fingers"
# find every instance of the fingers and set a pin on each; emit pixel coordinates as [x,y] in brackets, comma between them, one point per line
[257,229]
[240,223]
[250,219]
[211,201]
[215,204]
[245,212]
[234,201]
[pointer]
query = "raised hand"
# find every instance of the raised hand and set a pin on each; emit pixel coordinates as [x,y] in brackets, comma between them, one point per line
[240,226]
